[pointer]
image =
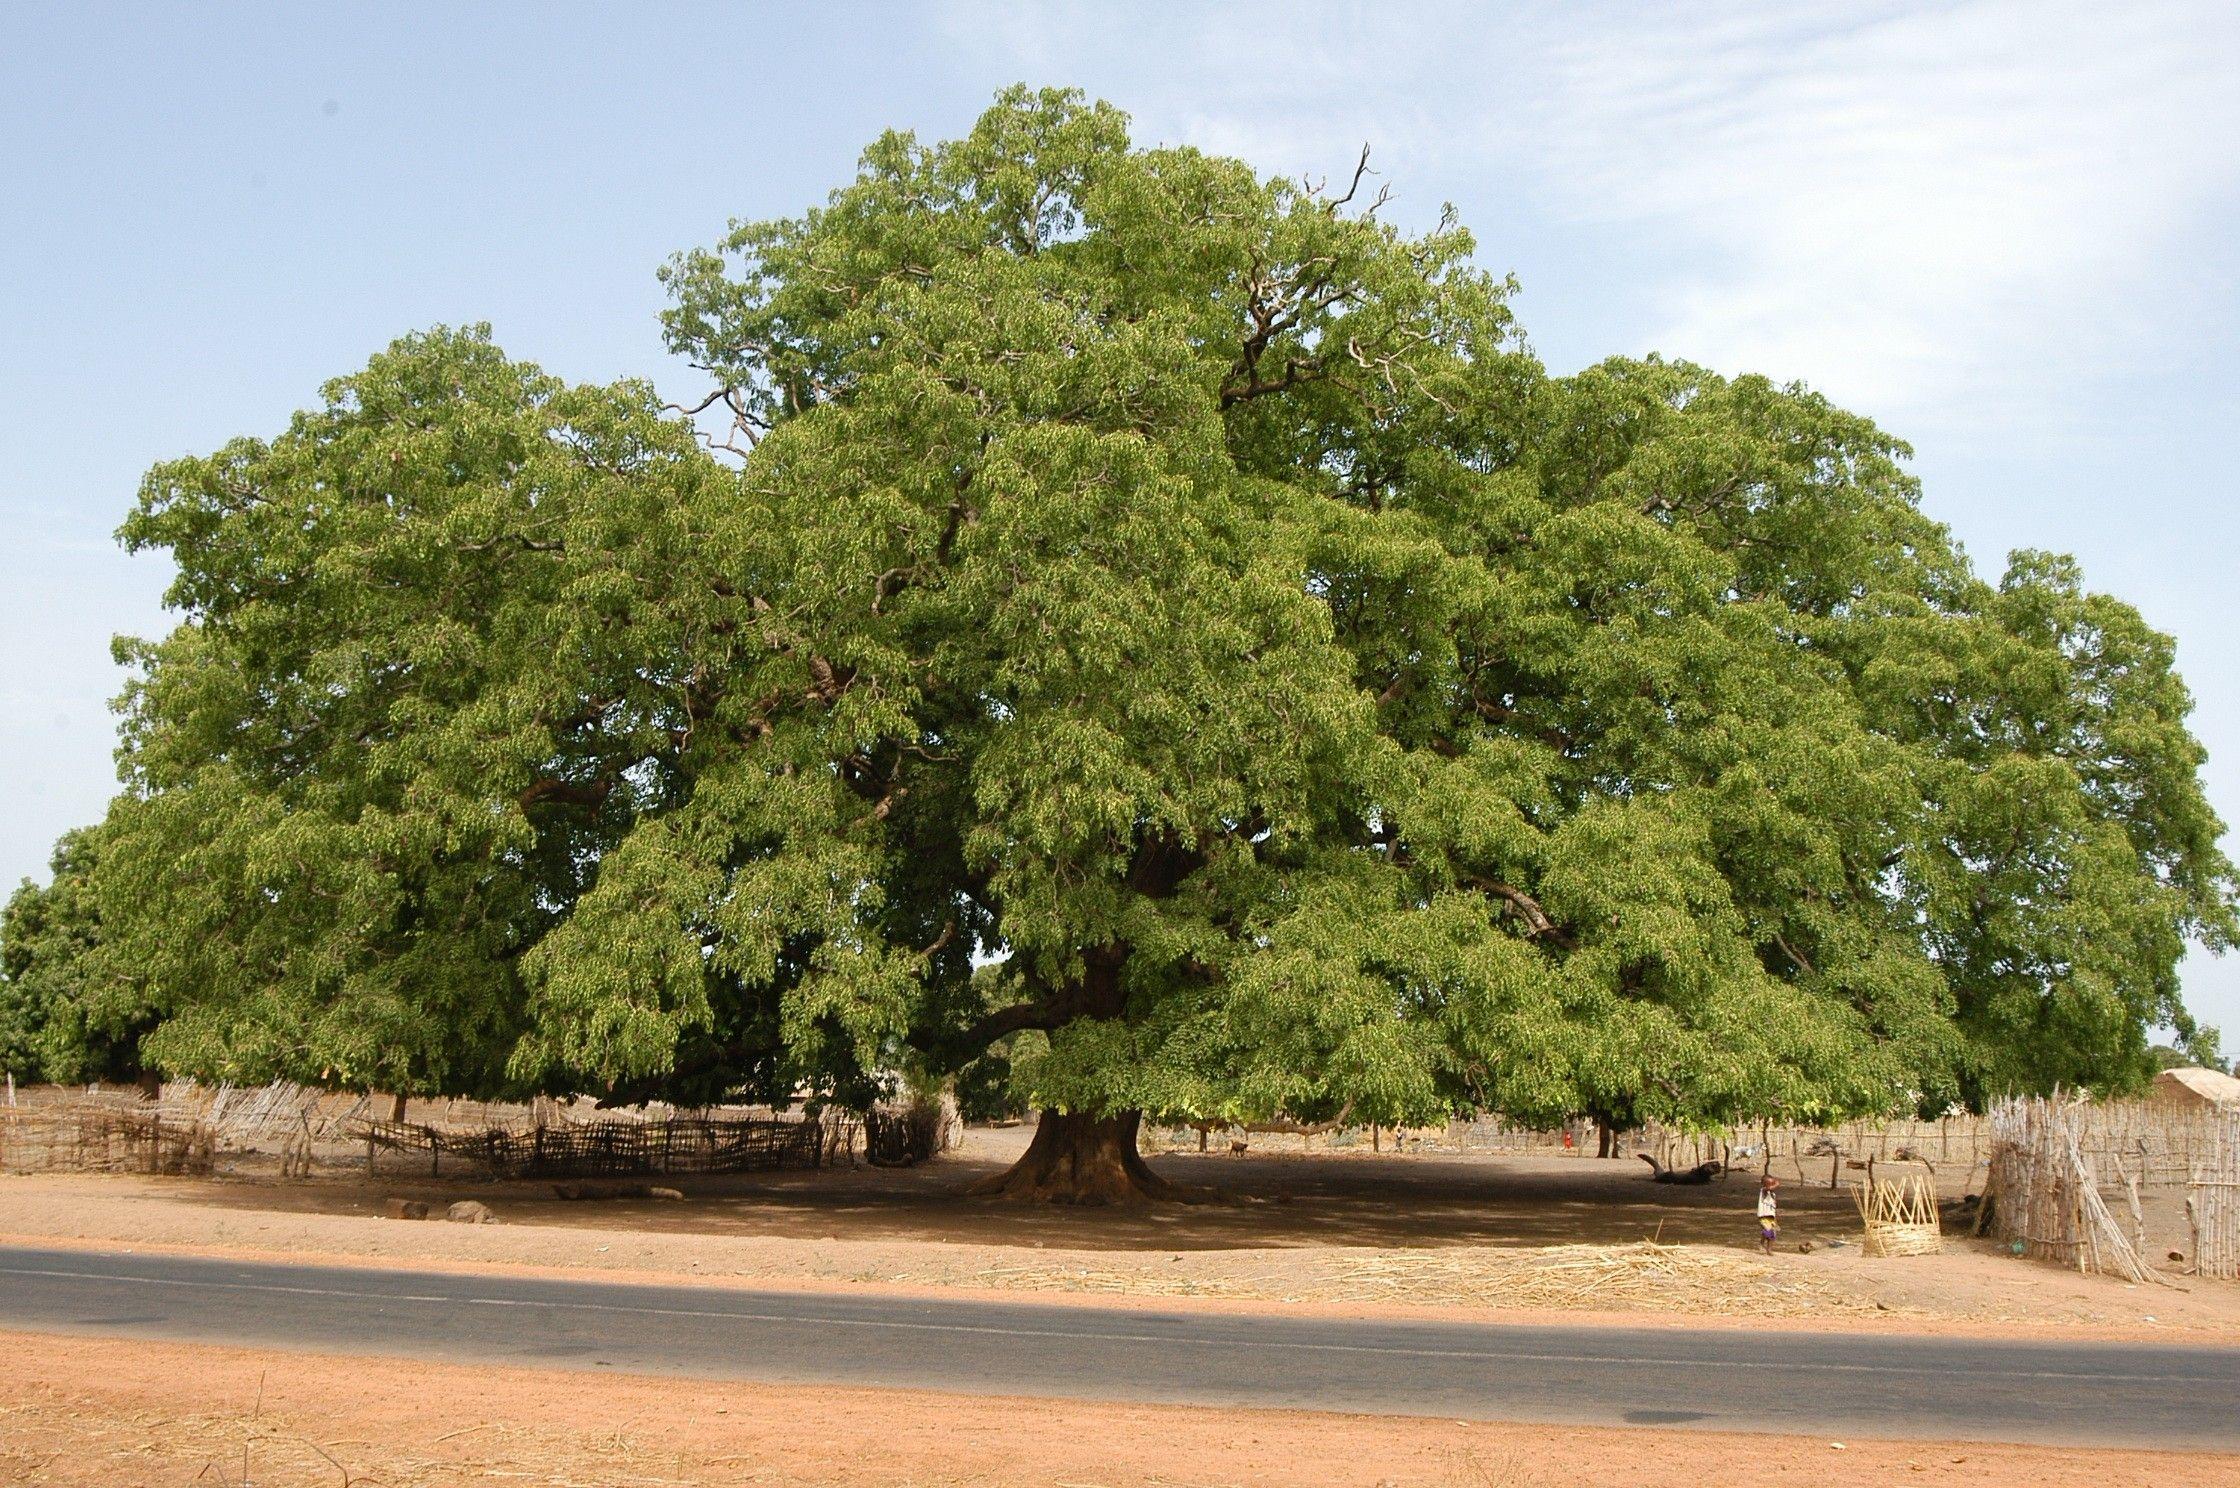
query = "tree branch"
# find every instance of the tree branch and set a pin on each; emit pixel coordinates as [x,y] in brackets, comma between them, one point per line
[1794,955]
[1296,371]
[521,543]
[1527,907]
[564,792]
[1547,734]
[948,933]
[1004,1022]
[1160,864]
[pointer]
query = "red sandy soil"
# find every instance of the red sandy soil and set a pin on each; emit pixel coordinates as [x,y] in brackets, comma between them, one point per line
[130,1413]
[1467,1236]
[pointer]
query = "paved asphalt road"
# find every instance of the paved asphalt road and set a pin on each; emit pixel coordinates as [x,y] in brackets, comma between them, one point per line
[1829,1384]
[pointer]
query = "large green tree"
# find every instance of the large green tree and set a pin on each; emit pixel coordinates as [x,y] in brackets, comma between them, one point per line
[1159,622]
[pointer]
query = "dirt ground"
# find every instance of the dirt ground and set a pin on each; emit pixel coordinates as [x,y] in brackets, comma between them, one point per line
[1484,1236]
[137,1413]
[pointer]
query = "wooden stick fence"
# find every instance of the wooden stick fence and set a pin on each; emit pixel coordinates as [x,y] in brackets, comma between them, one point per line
[2213,1201]
[2043,1189]
[612,1147]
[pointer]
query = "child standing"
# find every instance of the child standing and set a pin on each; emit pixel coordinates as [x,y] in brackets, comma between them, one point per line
[1769,1214]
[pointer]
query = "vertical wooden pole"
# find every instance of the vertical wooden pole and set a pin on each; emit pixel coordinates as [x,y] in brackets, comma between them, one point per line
[2193,1225]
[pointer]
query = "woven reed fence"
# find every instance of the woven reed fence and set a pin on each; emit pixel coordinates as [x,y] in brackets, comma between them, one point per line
[100,1138]
[2126,1141]
[906,1134]
[1807,1154]
[619,1146]
[282,1110]
[2213,1201]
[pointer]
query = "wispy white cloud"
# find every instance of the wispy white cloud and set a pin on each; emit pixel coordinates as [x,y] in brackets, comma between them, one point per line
[1908,206]
[1900,203]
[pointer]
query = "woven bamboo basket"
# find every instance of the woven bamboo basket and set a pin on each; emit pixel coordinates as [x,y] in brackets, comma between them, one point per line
[1900,1215]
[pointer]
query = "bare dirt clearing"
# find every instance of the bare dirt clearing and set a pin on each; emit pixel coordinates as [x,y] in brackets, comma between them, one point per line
[145,1413]
[1485,1235]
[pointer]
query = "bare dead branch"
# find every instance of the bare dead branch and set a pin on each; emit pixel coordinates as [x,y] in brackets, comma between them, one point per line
[1360,169]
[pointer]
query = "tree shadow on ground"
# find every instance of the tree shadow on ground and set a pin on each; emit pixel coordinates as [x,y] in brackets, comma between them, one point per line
[1261,1200]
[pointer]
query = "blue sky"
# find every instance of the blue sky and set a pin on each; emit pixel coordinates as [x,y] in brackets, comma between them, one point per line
[2010,232]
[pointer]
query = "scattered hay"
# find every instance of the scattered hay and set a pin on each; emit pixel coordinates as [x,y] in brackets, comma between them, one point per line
[1641,1276]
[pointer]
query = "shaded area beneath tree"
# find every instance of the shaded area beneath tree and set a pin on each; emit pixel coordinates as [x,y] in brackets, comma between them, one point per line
[1268,1197]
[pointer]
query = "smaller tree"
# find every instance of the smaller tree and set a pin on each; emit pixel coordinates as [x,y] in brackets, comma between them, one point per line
[52,1025]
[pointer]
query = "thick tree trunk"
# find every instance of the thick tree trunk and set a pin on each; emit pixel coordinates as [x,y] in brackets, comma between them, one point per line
[1079,1159]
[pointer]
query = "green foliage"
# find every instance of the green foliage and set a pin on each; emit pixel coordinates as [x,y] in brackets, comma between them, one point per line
[51,1026]
[985,1091]
[1164,609]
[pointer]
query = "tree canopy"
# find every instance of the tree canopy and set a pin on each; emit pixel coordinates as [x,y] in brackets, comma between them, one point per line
[1160,621]
[56,1022]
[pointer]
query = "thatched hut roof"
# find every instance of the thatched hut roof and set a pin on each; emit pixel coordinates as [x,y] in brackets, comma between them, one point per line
[2195,1087]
